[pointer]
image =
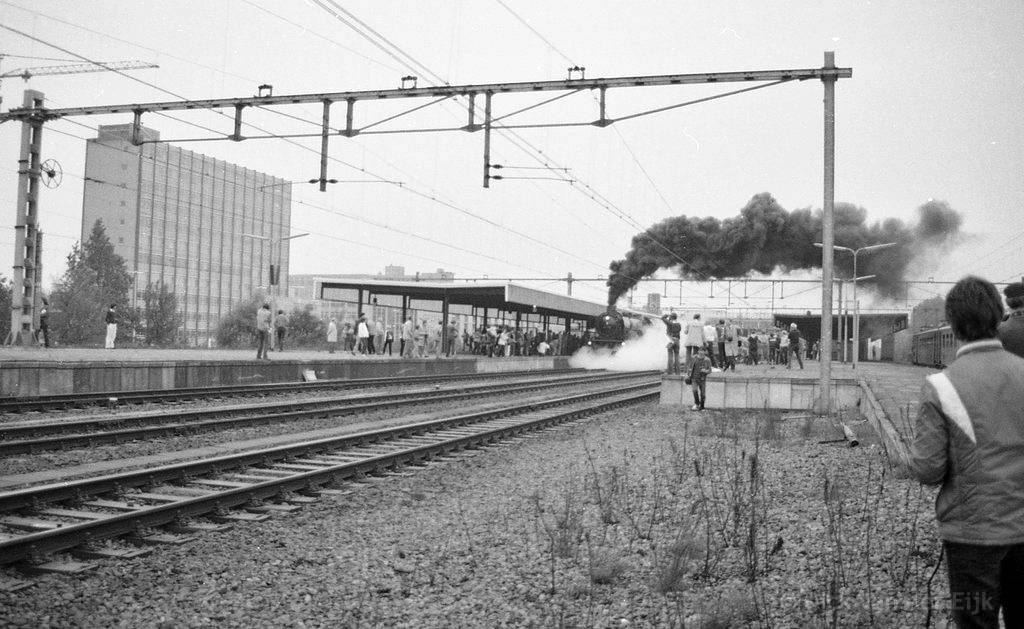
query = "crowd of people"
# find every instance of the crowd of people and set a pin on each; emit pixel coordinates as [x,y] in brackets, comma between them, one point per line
[422,338]
[723,345]
[726,345]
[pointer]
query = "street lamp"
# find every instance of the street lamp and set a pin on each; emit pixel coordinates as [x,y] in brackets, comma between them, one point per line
[856,306]
[276,265]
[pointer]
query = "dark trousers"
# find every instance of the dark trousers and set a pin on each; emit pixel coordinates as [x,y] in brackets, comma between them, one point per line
[699,394]
[710,347]
[721,355]
[981,580]
[673,358]
[401,347]
[263,343]
[44,331]
[369,346]
[799,359]
[280,339]
[387,347]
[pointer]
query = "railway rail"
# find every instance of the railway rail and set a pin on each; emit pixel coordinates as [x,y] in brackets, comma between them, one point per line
[76,515]
[143,396]
[37,436]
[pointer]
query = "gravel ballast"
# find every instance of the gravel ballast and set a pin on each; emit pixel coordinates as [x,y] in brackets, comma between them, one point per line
[292,430]
[639,517]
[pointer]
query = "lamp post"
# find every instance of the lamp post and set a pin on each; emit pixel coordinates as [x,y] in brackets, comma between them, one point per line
[856,318]
[856,308]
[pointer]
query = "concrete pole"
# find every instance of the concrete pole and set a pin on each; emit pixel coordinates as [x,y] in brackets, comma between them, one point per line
[856,315]
[25,298]
[827,238]
[842,323]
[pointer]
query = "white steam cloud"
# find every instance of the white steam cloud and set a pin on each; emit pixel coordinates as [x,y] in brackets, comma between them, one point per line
[638,354]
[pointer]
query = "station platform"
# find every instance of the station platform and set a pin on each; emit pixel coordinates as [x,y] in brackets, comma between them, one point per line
[31,372]
[882,393]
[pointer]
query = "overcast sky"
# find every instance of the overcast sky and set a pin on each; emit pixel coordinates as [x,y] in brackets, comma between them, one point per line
[932,111]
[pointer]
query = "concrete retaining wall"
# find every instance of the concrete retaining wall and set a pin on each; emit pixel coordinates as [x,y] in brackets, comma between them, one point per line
[31,379]
[760,393]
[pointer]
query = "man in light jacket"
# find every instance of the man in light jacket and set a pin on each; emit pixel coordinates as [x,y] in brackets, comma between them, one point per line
[694,338]
[969,438]
[263,317]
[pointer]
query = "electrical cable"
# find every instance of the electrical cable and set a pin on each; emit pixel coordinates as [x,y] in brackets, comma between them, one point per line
[423,195]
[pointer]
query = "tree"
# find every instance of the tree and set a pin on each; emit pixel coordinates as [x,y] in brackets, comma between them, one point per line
[6,293]
[96,277]
[305,329]
[238,327]
[161,321]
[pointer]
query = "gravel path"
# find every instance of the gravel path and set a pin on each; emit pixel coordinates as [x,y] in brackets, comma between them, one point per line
[639,517]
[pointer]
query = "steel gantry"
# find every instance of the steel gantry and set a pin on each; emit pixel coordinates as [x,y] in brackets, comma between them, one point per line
[439,94]
[33,115]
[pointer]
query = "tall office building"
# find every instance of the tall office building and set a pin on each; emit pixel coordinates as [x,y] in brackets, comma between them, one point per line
[207,229]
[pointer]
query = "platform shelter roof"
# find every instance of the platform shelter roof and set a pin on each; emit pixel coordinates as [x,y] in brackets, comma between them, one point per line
[497,295]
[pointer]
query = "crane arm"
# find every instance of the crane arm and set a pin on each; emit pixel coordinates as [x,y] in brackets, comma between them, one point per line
[77,68]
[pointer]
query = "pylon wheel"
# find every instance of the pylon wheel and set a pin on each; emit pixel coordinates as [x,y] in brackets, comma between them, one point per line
[51,172]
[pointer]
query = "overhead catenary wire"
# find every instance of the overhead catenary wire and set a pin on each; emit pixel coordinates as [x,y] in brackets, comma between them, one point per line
[395,51]
[423,195]
[336,212]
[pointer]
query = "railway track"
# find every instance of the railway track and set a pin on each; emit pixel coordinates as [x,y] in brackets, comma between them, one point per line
[39,436]
[110,398]
[76,515]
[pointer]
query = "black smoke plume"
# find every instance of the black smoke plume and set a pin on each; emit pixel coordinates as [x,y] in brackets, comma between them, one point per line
[765,236]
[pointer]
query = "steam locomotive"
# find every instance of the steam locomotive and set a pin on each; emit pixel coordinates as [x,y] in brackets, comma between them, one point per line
[615,327]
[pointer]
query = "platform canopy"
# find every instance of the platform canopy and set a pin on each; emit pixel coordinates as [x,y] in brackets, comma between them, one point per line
[496,295]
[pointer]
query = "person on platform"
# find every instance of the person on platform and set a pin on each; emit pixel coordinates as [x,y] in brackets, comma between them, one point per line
[363,334]
[502,350]
[44,323]
[543,348]
[349,338]
[784,348]
[730,346]
[263,317]
[408,341]
[1011,331]
[773,349]
[389,342]
[371,330]
[451,339]
[673,330]
[699,371]
[969,438]
[111,319]
[710,342]
[422,334]
[720,335]
[694,338]
[794,346]
[377,336]
[280,329]
[753,347]
[332,335]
